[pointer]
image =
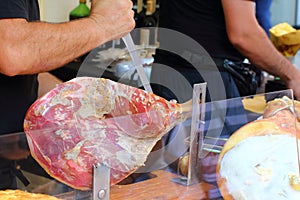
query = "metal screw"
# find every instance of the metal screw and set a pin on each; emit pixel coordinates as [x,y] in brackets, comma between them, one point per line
[101,194]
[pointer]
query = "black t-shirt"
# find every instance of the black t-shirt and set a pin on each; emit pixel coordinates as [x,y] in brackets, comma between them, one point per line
[201,20]
[19,92]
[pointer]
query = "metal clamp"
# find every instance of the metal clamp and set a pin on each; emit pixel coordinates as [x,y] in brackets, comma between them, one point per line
[101,182]
[196,137]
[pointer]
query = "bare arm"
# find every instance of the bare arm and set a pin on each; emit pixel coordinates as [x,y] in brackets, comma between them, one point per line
[250,39]
[33,47]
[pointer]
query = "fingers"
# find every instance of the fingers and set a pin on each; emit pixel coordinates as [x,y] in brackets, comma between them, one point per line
[114,17]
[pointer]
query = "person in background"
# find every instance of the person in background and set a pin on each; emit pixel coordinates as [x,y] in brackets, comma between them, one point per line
[30,47]
[263,14]
[226,29]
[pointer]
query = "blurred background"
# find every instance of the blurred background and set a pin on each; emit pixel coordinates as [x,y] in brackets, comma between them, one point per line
[281,10]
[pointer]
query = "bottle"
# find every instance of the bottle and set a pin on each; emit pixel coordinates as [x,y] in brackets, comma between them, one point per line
[148,32]
[82,10]
[139,13]
[156,11]
[149,19]
[155,14]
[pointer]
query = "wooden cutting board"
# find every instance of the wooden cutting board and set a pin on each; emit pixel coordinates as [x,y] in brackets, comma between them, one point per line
[160,188]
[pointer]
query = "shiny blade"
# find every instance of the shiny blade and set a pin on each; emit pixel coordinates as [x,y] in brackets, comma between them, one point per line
[137,62]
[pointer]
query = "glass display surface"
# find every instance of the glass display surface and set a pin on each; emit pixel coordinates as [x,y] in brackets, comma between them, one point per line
[235,155]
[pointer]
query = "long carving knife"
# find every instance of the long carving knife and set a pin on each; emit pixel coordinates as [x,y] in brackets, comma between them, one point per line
[137,61]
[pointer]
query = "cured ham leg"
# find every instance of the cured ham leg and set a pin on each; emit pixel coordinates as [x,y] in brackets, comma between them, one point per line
[92,120]
[257,160]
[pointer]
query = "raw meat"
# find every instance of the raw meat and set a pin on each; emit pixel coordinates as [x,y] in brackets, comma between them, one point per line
[87,121]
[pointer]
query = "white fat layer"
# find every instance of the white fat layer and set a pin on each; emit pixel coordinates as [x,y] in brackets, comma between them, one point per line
[97,101]
[258,168]
[74,152]
[96,98]
[136,151]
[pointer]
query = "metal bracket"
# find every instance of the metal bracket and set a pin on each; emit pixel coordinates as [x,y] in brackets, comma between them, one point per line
[196,137]
[101,182]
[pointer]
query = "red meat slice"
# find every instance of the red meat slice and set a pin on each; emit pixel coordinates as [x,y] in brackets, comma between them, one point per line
[91,120]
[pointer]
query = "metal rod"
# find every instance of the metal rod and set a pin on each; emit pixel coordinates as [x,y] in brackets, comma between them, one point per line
[216,138]
[197,134]
[297,137]
[137,62]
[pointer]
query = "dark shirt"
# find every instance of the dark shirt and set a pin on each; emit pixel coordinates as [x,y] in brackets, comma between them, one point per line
[201,20]
[204,22]
[19,92]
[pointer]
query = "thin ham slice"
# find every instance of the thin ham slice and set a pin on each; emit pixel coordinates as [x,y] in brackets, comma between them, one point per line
[87,120]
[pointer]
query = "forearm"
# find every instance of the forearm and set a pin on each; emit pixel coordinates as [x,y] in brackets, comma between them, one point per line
[250,39]
[269,59]
[33,47]
[257,47]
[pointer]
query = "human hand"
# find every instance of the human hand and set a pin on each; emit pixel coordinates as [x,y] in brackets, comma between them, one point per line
[294,84]
[114,18]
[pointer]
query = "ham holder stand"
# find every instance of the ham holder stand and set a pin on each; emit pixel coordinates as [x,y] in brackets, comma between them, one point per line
[101,173]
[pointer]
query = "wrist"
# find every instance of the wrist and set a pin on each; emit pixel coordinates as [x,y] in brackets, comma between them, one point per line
[287,71]
[98,30]
[291,74]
